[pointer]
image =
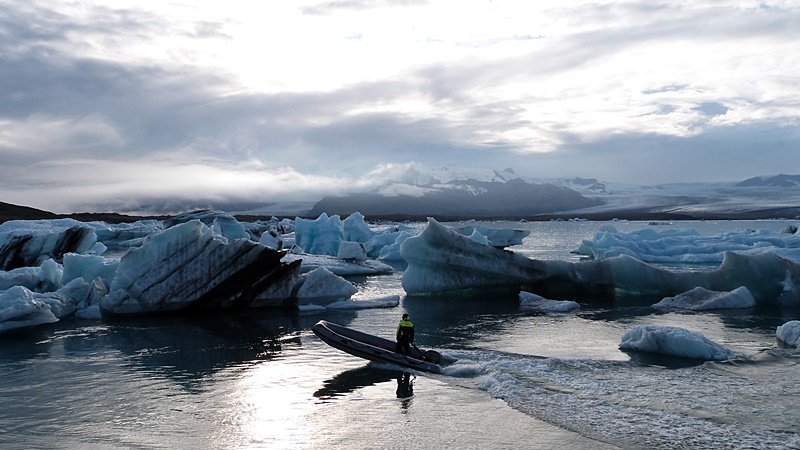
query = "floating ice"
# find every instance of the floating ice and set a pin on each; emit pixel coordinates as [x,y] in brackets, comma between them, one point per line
[271,239]
[392,252]
[789,332]
[353,251]
[222,223]
[320,236]
[337,265]
[26,243]
[188,266]
[381,302]
[479,238]
[322,287]
[44,278]
[19,308]
[530,300]
[497,237]
[675,342]
[683,246]
[700,299]
[89,267]
[123,236]
[356,229]
[441,261]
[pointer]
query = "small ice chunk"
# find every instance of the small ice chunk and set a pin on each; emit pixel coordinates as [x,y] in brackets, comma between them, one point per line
[700,299]
[789,333]
[532,301]
[674,341]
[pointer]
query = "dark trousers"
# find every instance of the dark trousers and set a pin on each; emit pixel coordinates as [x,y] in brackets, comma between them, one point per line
[403,347]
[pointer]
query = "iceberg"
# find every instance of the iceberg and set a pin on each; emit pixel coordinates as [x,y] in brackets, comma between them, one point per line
[25,243]
[89,267]
[356,229]
[271,239]
[123,236]
[391,252]
[353,251]
[19,308]
[497,237]
[44,278]
[389,301]
[320,236]
[700,299]
[22,308]
[441,261]
[189,266]
[674,341]
[322,287]
[341,267]
[529,300]
[789,333]
[222,223]
[683,246]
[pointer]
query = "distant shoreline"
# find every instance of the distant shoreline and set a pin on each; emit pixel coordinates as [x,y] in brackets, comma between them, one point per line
[115,218]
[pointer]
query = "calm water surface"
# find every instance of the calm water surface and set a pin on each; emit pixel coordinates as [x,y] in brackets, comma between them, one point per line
[261,379]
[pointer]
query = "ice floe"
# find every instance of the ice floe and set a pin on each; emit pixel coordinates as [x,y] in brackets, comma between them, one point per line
[529,300]
[700,299]
[789,333]
[674,341]
[686,245]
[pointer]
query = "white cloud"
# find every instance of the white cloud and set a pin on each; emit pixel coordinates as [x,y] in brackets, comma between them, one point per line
[332,89]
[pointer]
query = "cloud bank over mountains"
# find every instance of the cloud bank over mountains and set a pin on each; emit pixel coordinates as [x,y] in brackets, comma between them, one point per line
[120,105]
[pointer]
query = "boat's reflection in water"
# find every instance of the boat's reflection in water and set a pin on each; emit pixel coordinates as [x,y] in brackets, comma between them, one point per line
[354,379]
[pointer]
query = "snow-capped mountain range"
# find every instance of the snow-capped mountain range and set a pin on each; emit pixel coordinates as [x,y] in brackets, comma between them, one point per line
[415,192]
[449,191]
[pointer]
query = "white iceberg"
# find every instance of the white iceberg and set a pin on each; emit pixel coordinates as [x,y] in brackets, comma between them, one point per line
[26,243]
[89,267]
[19,308]
[320,236]
[479,238]
[322,287]
[674,341]
[392,252]
[356,229]
[529,300]
[220,222]
[122,236]
[700,299]
[496,237]
[683,245]
[44,278]
[789,333]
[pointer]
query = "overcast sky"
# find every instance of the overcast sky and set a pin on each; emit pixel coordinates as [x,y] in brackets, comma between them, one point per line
[112,105]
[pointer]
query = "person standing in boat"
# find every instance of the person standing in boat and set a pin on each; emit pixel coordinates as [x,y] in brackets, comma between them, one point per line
[405,336]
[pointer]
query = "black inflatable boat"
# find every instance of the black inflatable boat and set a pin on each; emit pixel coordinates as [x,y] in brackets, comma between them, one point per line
[375,348]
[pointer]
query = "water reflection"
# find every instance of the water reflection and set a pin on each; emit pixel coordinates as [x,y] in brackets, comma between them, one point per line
[188,348]
[405,385]
[352,380]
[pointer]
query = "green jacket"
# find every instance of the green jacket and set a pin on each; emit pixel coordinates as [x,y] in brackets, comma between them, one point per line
[405,331]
